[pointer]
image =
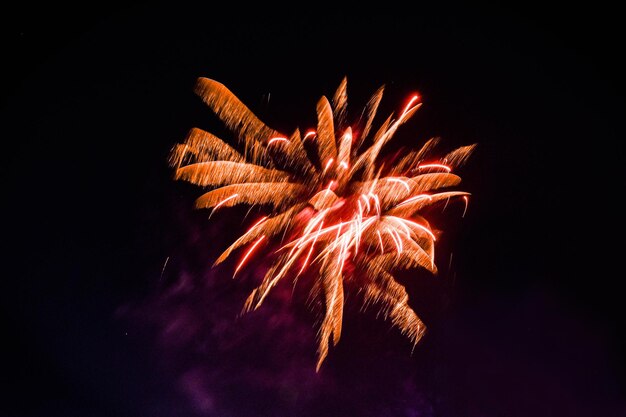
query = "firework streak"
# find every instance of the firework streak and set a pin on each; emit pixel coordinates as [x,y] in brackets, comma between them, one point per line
[334,210]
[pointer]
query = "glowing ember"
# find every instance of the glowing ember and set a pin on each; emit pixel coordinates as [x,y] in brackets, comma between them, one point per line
[347,216]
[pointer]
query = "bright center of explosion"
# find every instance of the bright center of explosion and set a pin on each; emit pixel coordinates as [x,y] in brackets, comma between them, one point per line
[334,210]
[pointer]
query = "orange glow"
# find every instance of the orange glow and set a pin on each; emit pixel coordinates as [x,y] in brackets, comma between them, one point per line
[363,220]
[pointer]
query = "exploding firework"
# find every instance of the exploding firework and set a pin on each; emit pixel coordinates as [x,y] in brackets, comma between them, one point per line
[334,210]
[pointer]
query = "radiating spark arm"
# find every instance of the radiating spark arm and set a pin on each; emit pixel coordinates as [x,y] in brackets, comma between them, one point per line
[290,155]
[201,146]
[363,160]
[382,289]
[345,145]
[412,159]
[332,284]
[216,173]
[408,258]
[269,227]
[327,146]
[459,156]
[278,195]
[297,154]
[433,181]
[383,138]
[237,117]
[340,102]
[371,109]
[275,274]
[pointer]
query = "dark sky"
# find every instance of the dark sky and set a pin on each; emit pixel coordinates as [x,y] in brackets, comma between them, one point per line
[528,320]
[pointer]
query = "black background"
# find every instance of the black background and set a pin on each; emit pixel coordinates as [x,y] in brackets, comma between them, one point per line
[94,97]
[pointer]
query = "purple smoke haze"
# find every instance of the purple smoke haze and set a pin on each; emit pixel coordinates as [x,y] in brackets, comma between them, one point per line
[262,363]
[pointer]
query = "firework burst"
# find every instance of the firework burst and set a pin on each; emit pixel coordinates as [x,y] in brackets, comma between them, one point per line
[334,210]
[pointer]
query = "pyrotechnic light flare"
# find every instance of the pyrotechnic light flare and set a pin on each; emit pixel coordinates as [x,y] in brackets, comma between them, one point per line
[339,215]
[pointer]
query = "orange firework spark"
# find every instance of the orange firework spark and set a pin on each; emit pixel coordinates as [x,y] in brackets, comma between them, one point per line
[337,212]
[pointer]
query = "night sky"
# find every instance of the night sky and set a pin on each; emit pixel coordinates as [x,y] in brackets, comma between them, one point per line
[525,320]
